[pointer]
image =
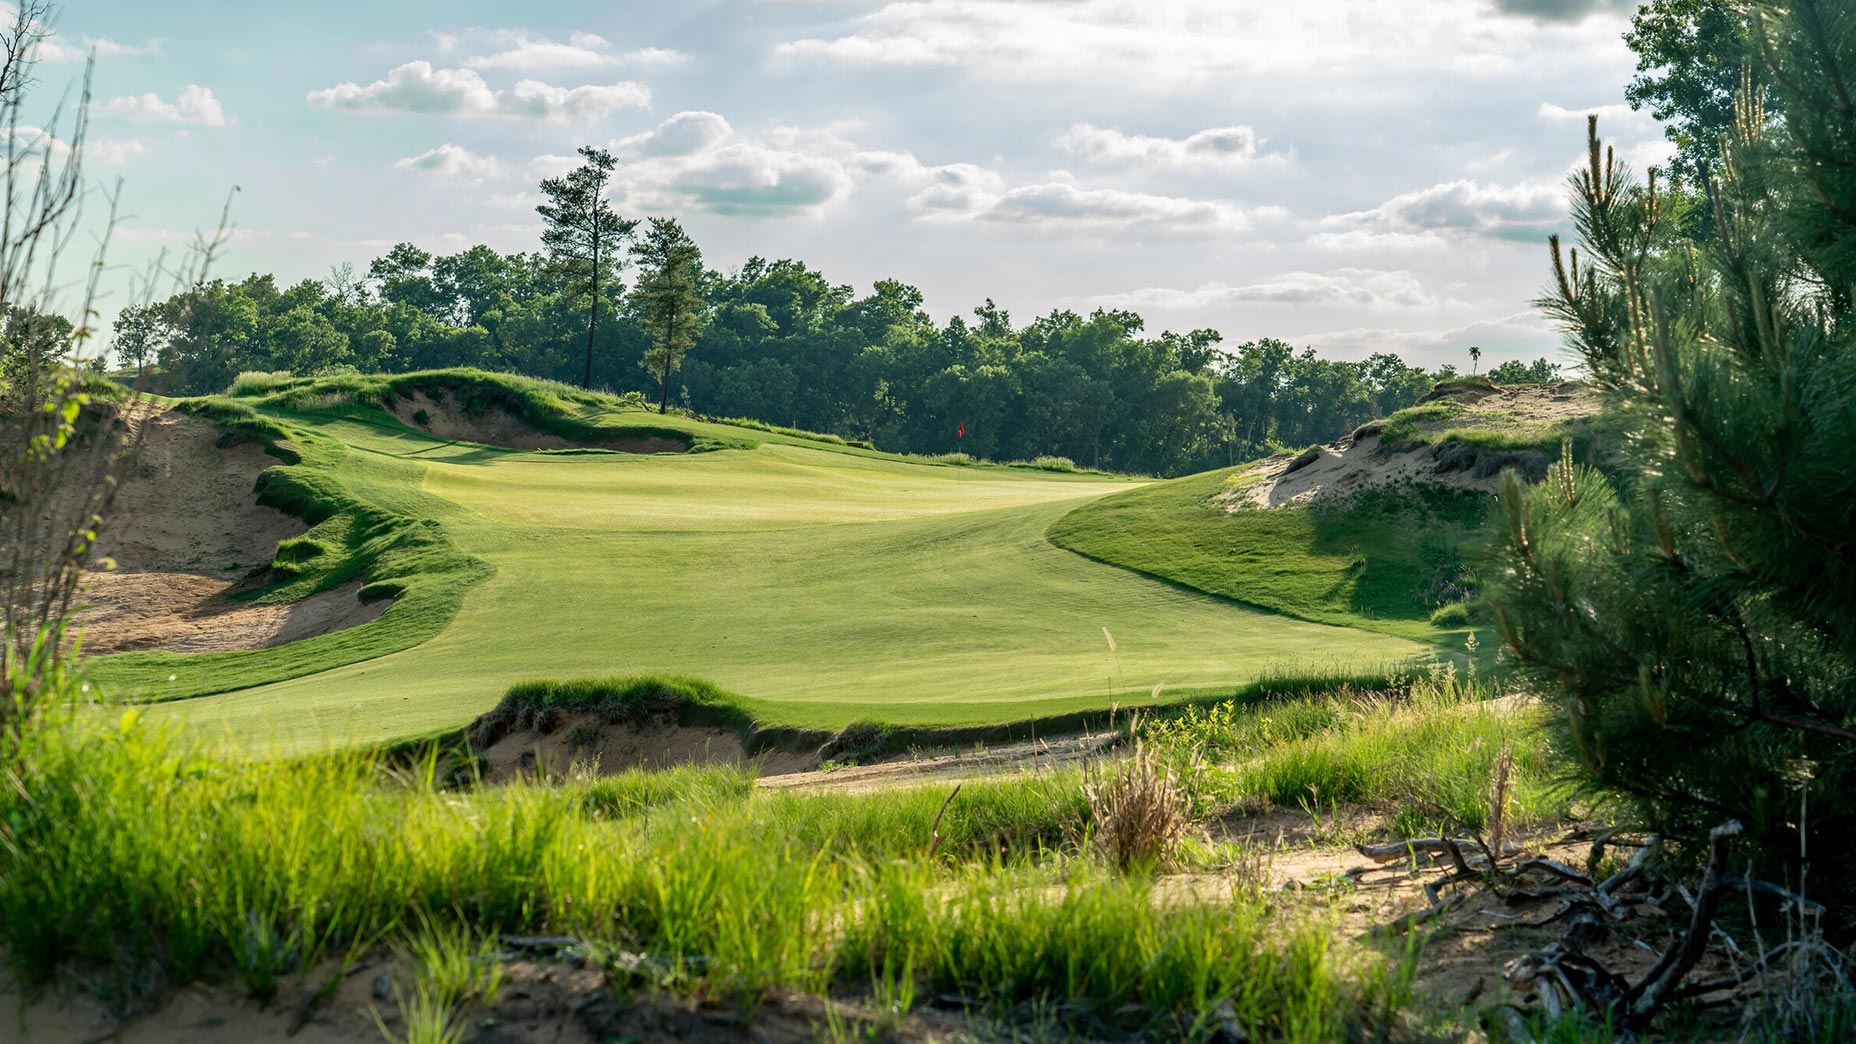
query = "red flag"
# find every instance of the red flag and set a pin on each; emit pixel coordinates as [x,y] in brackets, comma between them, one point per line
[963,430]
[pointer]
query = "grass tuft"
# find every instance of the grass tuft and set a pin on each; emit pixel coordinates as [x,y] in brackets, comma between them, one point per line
[1138,811]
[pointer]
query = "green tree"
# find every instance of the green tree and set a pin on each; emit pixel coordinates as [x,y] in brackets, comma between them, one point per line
[668,299]
[1693,615]
[33,344]
[1690,57]
[1514,371]
[584,236]
[137,335]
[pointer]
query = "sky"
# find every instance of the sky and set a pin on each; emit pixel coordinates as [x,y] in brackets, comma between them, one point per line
[1352,175]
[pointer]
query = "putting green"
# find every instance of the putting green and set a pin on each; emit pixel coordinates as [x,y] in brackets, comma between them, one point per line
[824,586]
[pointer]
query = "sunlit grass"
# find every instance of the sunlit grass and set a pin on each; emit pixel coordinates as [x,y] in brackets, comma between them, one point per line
[133,848]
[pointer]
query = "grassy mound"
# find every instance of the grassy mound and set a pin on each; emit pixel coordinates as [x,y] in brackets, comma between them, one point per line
[541,705]
[1397,556]
[549,407]
[536,706]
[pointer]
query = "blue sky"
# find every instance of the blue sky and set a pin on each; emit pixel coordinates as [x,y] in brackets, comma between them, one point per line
[1356,175]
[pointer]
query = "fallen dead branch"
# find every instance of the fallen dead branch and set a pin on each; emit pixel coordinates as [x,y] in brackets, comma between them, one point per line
[1564,978]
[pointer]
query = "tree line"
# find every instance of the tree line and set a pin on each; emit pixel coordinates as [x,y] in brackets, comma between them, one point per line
[778,342]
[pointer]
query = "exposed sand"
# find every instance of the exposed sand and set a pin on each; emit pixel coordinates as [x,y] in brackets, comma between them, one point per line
[446,419]
[186,532]
[1362,461]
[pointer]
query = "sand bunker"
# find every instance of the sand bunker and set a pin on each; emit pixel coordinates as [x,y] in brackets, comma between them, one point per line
[1363,460]
[443,416]
[186,532]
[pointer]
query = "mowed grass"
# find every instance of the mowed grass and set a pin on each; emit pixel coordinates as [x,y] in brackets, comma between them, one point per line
[1372,561]
[825,584]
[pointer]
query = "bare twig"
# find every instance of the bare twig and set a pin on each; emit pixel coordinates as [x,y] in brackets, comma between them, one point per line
[934,832]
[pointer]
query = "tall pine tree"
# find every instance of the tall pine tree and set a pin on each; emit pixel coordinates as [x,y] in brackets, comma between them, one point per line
[668,299]
[1692,615]
[583,234]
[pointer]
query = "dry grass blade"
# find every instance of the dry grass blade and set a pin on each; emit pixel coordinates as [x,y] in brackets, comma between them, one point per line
[1137,810]
[1501,781]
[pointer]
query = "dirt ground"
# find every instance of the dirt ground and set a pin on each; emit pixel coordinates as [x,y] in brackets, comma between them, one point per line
[1362,460]
[187,531]
[606,749]
[556,998]
[446,419]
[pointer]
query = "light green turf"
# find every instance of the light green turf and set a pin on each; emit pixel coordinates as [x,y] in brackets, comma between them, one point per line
[824,586]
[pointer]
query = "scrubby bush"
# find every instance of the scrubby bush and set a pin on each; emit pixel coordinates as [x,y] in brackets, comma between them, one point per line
[259,382]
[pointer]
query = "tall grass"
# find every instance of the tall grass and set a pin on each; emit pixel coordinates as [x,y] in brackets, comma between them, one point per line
[123,847]
[1426,755]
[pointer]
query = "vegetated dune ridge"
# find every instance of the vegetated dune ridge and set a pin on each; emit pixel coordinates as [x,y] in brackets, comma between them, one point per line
[187,534]
[1379,530]
[1421,448]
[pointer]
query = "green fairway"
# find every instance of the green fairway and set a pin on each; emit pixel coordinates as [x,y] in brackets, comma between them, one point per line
[825,586]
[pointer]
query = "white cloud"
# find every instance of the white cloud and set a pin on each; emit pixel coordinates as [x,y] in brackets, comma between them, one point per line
[955,192]
[115,153]
[1056,204]
[590,102]
[697,161]
[1234,146]
[753,180]
[1158,45]
[684,134]
[1517,335]
[413,87]
[1355,240]
[55,50]
[1367,287]
[421,88]
[1609,116]
[108,48]
[1563,10]
[453,163]
[1523,211]
[517,49]
[195,105]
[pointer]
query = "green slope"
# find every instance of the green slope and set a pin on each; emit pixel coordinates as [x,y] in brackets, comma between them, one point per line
[1369,564]
[824,583]
[1385,558]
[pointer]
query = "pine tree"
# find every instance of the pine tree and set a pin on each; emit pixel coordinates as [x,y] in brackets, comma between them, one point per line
[584,236]
[668,299]
[1691,614]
